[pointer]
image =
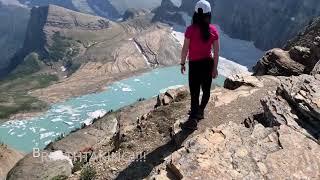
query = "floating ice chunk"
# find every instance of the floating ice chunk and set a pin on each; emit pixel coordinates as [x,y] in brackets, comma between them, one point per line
[68,123]
[127,89]
[58,155]
[137,80]
[42,129]
[21,135]
[32,129]
[56,120]
[10,131]
[45,135]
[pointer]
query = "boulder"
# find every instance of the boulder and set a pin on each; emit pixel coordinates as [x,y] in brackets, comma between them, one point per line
[41,165]
[235,81]
[101,132]
[170,96]
[8,158]
[278,62]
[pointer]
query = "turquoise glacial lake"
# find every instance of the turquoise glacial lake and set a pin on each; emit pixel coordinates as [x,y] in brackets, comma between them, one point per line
[62,118]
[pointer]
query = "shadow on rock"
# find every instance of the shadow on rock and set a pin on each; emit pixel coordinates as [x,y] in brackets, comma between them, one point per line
[141,168]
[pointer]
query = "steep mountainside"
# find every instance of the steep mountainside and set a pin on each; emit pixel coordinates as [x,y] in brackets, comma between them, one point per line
[95,49]
[14,20]
[267,23]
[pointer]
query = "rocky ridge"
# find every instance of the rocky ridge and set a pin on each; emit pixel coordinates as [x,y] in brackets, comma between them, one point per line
[151,144]
[299,56]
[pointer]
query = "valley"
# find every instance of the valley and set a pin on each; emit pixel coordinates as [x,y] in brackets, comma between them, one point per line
[101,79]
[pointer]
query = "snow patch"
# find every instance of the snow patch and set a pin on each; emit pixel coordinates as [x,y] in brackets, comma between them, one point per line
[45,135]
[68,123]
[140,51]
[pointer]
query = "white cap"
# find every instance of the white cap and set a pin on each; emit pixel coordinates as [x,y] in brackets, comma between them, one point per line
[204,5]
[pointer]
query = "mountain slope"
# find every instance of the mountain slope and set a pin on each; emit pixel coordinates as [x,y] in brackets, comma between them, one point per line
[86,52]
[14,20]
[267,23]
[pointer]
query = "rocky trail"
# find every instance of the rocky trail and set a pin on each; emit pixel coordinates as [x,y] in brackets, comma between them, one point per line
[242,136]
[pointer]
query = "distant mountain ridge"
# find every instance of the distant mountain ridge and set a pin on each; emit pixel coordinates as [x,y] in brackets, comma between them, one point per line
[14,20]
[112,9]
[267,23]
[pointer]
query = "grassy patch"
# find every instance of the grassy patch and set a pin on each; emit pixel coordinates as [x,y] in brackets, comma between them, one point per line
[62,48]
[14,97]
[88,173]
[60,177]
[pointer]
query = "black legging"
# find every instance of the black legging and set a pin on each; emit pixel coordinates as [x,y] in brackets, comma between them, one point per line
[200,76]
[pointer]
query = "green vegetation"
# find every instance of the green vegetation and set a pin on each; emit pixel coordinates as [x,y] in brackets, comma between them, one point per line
[88,173]
[78,165]
[60,177]
[62,49]
[14,97]
[60,137]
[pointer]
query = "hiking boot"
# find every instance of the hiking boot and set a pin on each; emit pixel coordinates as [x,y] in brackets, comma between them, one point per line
[199,115]
[191,124]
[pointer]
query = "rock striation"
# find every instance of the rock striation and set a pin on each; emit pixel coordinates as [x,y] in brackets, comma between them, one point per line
[296,104]
[231,151]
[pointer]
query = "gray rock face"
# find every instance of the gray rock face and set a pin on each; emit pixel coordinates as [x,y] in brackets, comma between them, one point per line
[272,24]
[168,12]
[296,104]
[278,62]
[268,24]
[14,20]
[300,56]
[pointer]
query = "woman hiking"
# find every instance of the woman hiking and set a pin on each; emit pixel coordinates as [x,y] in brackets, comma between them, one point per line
[200,38]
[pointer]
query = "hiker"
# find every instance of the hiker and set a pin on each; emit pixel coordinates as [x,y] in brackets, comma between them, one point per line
[200,38]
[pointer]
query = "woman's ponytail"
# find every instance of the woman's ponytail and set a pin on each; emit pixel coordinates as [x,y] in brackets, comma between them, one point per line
[203,21]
